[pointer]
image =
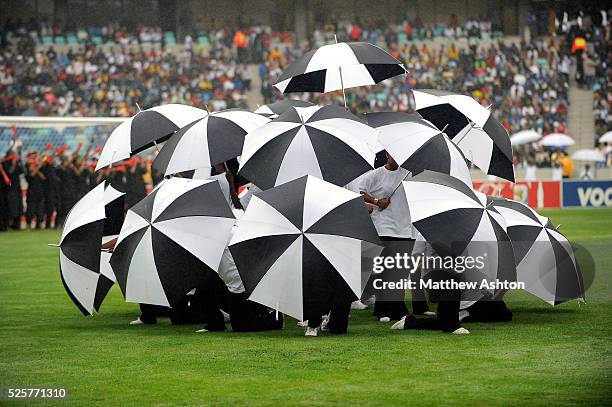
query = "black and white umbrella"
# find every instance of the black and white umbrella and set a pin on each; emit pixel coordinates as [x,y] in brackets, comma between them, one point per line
[146,129]
[545,259]
[273,110]
[214,139]
[84,275]
[325,141]
[471,126]
[459,221]
[171,240]
[306,237]
[339,66]
[417,145]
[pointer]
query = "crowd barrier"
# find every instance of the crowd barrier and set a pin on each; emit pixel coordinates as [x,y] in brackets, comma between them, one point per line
[552,194]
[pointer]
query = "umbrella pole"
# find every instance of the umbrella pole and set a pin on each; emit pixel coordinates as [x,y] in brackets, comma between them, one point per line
[342,84]
[341,79]
[466,133]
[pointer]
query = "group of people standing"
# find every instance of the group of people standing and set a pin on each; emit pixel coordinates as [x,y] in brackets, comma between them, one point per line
[223,298]
[42,187]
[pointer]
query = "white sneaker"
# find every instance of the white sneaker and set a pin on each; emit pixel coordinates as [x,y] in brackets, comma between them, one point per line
[384,319]
[310,331]
[137,321]
[399,324]
[203,330]
[462,314]
[429,314]
[324,323]
[358,305]
[302,324]
[461,331]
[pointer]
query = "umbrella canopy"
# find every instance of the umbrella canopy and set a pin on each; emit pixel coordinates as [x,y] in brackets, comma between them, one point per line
[588,155]
[327,142]
[145,129]
[606,138]
[306,236]
[472,127]
[524,137]
[339,66]
[544,258]
[211,140]
[417,145]
[92,217]
[170,241]
[459,221]
[273,110]
[557,140]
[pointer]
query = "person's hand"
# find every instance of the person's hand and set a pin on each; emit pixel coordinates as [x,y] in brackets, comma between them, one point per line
[383,203]
[370,208]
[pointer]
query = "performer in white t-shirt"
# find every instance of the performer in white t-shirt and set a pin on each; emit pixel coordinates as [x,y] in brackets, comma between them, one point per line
[383,188]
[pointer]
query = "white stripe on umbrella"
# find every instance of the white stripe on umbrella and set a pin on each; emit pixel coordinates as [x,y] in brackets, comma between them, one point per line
[300,158]
[143,284]
[284,281]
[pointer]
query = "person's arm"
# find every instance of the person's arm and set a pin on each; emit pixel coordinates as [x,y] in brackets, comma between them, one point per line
[110,245]
[382,203]
[233,194]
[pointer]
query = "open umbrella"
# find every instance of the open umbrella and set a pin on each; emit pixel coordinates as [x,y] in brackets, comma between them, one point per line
[458,221]
[146,129]
[211,140]
[273,110]
[557,140]
[545,259]
[417,145]
[471,126]
[171,241]
[306,236]
[524,137]
[339,66]
[86,279]
[606,138]
[325,141]
[588,155]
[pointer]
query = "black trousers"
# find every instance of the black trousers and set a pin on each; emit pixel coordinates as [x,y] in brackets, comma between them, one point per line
[447,315]
[488,311]
[150,313]
[338,318]
[248,316]
[395,308]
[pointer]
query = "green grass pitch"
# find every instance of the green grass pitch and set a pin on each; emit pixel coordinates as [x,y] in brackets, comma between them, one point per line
[546,356]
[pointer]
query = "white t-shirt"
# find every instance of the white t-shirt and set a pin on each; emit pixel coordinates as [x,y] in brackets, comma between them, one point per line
[394,221]
[228,271]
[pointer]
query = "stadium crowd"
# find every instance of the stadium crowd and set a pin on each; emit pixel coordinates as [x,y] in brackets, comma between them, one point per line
[526,85]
